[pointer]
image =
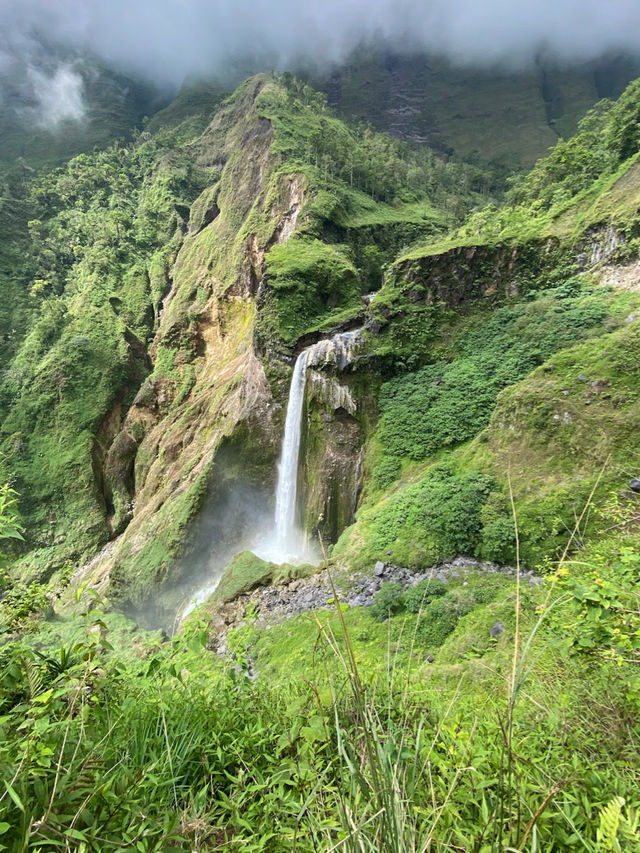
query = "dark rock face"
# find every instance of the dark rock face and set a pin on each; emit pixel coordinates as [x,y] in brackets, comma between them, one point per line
[330,453]
[470,273]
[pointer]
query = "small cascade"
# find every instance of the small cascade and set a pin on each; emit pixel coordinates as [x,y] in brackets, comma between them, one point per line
[357,475]
[340,350]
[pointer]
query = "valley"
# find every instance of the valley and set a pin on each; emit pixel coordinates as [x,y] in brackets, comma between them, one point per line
[319,510]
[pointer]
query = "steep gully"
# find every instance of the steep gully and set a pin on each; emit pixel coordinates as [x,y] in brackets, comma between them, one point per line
[286,541]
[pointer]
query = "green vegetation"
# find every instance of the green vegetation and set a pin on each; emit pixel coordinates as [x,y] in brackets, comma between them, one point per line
[449,402]
[444,514]
[558,434]
[205,755]
[367,196]
[574,187]
[307,276]
[501,118]
[144,312]
[76,333]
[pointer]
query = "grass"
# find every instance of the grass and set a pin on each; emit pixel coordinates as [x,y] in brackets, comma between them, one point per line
[346,740]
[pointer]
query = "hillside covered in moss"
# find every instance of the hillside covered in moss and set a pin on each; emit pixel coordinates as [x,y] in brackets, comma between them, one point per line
[452,664]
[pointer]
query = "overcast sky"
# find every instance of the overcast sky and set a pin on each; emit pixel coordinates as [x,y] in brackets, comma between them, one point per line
[169,39]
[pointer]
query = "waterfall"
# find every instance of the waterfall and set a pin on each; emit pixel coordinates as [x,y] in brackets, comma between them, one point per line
[285,541]
[288,542]
[288,537]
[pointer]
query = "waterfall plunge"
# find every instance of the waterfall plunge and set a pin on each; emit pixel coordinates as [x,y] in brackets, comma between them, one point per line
[286,542]
[289,540]
[289,543]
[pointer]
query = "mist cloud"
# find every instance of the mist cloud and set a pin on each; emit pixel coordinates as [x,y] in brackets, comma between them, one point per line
[58,96]
[166,40]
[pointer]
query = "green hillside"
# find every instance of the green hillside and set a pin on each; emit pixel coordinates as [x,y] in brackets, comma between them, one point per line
[114,105]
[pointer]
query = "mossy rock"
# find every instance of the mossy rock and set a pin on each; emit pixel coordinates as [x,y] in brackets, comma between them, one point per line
[245,572]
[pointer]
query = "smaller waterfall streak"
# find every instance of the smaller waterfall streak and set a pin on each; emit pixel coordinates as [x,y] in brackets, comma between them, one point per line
[287,488]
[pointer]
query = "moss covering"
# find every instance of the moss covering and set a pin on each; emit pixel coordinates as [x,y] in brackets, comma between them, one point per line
[244,573]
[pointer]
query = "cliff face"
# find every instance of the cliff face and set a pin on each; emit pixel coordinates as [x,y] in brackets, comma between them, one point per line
[506,116]
[207,379]
[208,387]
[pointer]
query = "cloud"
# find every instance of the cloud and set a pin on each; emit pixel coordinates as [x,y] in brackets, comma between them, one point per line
[58,96]
[166,40]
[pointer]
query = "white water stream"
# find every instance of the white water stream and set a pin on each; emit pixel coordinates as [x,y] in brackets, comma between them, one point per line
[288,544]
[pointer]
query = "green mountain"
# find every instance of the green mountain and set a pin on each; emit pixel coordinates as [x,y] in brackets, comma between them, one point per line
[454,665]
[500,115]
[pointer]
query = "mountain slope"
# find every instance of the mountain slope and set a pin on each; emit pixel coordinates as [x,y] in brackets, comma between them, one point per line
[461,672]
[148,298]
[509,117]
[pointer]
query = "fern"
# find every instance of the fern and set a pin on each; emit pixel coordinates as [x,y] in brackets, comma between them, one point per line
[618,833]
[35,678]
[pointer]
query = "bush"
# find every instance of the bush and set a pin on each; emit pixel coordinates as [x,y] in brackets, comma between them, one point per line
[386,471]
[485,594]
[438,517]
[419,596]
[439,620]
[389,601]
[499,541]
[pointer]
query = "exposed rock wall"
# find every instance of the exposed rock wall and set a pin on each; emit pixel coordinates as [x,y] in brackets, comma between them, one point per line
[468,273]
[331,444]
[208,381]
[209,388]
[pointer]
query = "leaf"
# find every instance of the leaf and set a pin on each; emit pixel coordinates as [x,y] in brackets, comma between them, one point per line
[75,834]
[43,698]
[154,666]
[16,799]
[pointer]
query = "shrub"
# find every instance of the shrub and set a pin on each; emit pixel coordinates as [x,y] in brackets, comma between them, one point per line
[419,596]
[447,403]
[485,594]
[498,540]
[386,471]
[389,601]
[438,621]
[436,518]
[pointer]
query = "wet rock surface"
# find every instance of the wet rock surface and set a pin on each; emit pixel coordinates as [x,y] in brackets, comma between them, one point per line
[269,605]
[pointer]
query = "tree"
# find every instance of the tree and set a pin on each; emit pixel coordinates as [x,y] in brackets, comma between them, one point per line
[10,527]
